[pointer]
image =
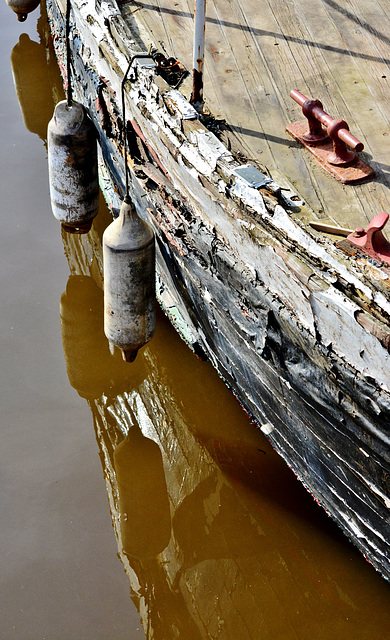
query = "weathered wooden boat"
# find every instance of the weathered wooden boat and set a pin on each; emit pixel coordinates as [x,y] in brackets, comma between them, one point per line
[295,321]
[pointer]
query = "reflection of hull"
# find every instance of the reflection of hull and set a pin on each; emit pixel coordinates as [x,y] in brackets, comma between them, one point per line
[222,571]
[200,506]
[221,566]
[300,335]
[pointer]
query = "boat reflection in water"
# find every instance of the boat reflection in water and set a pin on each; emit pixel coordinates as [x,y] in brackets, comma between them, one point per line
[36,77]
[216,536]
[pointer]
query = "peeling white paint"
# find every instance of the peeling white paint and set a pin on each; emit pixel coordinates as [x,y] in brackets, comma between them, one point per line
[277,277]
[335,321]
[284,222]
[249,196]
[210,147]
[382,302]
[267,428]
[191,153]
[185,109]
[207,295]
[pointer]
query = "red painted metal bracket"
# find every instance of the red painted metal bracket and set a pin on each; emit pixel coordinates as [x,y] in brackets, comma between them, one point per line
[329,146]
[372,241]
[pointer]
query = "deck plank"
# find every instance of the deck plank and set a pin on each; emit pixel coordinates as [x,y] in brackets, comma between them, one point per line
[257,50]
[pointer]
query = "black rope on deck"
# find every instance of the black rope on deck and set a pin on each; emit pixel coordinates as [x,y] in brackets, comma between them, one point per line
[67,36]
[124,124]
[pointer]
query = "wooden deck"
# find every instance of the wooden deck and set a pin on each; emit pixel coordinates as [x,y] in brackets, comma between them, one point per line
[258,50]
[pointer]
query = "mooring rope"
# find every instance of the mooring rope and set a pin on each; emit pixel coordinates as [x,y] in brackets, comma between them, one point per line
[124,124]
[67,37]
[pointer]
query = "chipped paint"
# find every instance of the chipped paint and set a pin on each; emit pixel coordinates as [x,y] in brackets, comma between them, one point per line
[178,101]
[267,428]
[335,320]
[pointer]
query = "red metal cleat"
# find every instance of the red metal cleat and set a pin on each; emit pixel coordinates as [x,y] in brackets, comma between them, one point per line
[373,241]
[328,140]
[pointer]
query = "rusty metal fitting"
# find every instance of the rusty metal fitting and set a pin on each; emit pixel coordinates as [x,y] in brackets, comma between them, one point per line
[373,241]
[316,132]
[337,130]
[167,63]
[327,141]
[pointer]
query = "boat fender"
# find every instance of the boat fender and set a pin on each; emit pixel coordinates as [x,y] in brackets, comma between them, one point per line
[129,281]
[22,7]
[73,167]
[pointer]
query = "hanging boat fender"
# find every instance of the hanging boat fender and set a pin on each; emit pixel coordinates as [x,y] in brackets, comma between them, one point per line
[23,7]
[73,167]
[129,281]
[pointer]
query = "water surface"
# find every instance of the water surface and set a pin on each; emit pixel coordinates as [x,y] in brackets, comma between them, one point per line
[59,574]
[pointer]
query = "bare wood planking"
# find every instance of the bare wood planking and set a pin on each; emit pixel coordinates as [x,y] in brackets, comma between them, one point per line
[276,67]
[331,82]
[358,86]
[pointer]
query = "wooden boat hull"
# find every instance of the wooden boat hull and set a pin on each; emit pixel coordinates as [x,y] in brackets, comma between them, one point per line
[297,330]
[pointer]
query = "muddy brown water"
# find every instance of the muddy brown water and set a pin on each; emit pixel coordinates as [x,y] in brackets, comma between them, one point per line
[137,501]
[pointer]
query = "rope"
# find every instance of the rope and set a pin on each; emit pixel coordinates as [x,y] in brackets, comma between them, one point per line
[124,125]
[68,72]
